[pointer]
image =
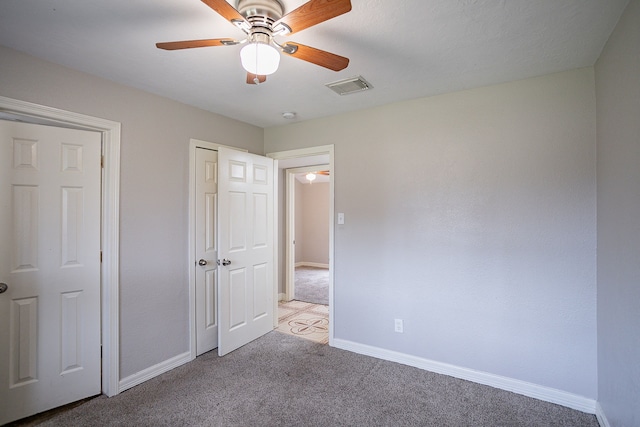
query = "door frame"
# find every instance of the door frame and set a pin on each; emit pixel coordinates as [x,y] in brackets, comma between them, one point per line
[308,152]
[290,215]
[109,223]
[194,144]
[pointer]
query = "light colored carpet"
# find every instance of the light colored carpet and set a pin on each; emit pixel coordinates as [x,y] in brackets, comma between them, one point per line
[312,285]
[304,320]
[280,380]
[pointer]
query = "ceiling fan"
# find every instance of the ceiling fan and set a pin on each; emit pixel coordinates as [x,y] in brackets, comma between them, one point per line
[311,176]
[262,21]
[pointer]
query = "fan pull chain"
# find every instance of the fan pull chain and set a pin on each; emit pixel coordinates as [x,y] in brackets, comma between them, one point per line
[256,80]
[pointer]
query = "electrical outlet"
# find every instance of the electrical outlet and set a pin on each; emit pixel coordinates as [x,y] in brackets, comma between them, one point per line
[398,325]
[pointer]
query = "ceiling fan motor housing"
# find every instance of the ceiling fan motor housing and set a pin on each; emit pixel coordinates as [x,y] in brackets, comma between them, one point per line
[268,10]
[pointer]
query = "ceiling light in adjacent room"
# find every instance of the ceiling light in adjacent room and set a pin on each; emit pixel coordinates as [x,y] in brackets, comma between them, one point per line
[289,115]
[311,176]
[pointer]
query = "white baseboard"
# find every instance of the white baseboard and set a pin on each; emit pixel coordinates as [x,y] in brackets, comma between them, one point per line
[602,419]
[546,394]
[154,371]
[311,264]
[282,297]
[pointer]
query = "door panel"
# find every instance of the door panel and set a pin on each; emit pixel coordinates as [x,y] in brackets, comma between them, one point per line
[207,250]
[260,226]
[211,301]
[25,228]
[246,240]
[237,205]
[237,298]
[50,258]
[71,353]
[261,291]
[23,345]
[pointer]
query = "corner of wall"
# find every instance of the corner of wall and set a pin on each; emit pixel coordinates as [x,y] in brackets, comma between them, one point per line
[602,419]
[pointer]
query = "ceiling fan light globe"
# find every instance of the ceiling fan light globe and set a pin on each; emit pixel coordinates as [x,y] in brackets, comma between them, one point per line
[260,58]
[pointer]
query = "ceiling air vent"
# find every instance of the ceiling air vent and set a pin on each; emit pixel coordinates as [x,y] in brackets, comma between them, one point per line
[350,85]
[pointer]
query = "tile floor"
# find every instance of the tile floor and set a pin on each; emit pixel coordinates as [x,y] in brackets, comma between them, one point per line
[304,320]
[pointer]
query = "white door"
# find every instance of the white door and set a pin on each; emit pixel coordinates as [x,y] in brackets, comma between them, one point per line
[246,248]
[50,260]
[206,250]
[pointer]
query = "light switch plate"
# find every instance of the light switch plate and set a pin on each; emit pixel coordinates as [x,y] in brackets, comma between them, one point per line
[340,218]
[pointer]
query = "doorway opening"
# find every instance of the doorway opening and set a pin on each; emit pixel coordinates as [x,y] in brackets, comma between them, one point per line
[290,163]
[307,234]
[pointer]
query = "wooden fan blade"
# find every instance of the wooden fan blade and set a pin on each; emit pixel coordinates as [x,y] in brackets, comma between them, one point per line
[223,8]
[188,44]
[251,78]
[323,173]
[313,12]
[319,57]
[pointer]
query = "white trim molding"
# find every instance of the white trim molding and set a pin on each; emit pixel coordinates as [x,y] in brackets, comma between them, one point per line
[524,388]
[155,370]
[311,264]
[600,415]
[110,224]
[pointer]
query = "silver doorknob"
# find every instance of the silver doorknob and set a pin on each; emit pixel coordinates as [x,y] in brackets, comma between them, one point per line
[226,261]
[202,262]
[3,288]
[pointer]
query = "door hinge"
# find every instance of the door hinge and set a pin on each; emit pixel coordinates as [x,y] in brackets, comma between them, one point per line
[100,256]
[102,162]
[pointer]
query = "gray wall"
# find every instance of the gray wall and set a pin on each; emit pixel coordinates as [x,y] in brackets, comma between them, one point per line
[312,216]
[153,195]
[478,227]
[618,124]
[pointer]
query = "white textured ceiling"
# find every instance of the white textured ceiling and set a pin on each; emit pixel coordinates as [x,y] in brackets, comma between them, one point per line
[405,49]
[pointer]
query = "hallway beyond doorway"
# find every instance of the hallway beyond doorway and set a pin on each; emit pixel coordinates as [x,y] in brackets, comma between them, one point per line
[311,284]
